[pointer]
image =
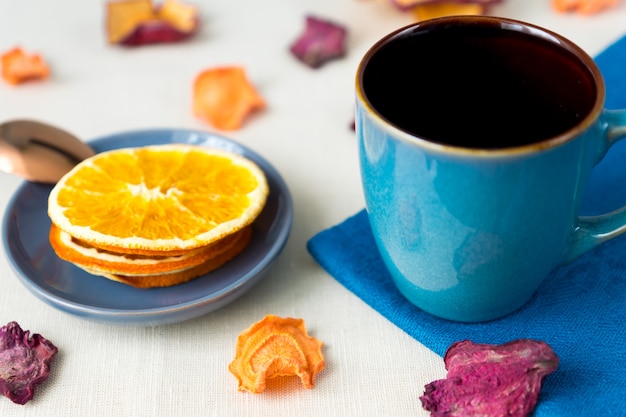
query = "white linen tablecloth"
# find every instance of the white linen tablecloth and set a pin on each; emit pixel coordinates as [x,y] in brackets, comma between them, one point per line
[373,368]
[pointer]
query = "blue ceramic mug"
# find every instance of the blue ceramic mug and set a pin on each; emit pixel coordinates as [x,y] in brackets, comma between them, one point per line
[477,137]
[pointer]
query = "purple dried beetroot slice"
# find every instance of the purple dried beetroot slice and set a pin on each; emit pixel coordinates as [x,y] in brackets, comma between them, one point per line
[320,42]
[490,380]
[24,362]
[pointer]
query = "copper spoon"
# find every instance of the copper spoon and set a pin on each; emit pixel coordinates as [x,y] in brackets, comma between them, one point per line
[38,151]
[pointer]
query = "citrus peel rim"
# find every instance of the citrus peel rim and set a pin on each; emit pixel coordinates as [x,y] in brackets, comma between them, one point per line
[172,246]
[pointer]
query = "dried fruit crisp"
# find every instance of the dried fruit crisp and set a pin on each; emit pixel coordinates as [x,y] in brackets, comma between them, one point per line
[274,347]
[139,22]
[24,362]
[19,67]
[321,41]
[490,380]
[224,97]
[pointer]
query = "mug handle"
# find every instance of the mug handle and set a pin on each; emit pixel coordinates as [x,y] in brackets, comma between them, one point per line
[591,231]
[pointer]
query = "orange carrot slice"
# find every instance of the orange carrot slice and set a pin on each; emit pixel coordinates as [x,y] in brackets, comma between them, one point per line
[276,347]
[446,8]
[224,97]
[586,7]
[18,67]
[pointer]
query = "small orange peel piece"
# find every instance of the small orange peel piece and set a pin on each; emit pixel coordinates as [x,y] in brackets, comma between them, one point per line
[19,67]
[275,347]
[446,8]
[224,97]
[585,7]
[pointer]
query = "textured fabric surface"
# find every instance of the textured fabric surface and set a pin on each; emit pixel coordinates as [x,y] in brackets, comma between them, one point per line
[580,310]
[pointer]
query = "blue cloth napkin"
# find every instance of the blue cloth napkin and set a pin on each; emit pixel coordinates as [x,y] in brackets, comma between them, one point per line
[580,310]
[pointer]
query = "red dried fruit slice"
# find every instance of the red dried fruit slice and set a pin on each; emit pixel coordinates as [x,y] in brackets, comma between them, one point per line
[490,380]
[24,362]
[18,66]
[139,22]
[320,42]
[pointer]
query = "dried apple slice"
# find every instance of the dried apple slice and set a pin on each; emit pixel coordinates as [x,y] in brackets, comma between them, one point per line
[19,67]
[139,22]
[224,97]
[274,347]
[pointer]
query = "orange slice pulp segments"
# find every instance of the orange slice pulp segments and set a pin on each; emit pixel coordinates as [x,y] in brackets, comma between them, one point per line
[157,199]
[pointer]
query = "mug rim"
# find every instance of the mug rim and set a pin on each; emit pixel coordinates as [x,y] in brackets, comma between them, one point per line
[508,24]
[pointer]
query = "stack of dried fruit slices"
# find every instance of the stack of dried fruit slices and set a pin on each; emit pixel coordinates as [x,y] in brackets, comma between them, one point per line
[156,216]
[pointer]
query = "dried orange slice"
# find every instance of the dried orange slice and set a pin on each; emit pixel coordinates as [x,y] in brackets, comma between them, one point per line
[274,347]
[160,199]
[233,248]
[102,262]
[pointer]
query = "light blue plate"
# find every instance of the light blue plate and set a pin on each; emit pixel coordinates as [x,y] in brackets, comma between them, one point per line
[70,289]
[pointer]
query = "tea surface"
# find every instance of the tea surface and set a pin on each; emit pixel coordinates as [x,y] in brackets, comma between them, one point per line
[478,86]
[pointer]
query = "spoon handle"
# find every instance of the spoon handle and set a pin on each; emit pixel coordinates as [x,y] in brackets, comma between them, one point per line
[21,133]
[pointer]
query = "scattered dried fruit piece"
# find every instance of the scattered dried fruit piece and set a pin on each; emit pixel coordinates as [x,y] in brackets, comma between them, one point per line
[273,347]
[321,41]
[490,380]
[447,8]
[24,362]
[410,4]
[224,97]
[586,7]
[157,215]
[18,67]
[159,199]
[138,22]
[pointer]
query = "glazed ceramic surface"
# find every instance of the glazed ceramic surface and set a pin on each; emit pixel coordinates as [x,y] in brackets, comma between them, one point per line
[70,289]
[469,234]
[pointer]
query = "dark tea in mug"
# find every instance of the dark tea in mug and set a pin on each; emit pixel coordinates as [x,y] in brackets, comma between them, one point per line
[466,85]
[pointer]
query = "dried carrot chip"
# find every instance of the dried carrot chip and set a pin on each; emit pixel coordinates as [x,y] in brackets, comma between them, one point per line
[586,7]
[447,8]
[321,41]
[273,347]
[18,67]
[139,22]
[223,96]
